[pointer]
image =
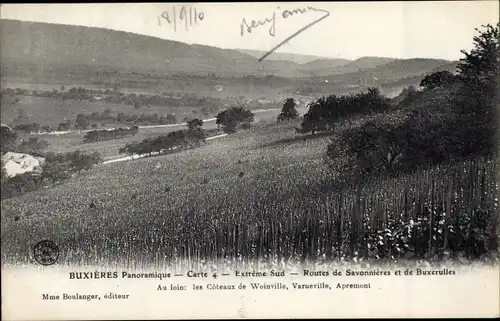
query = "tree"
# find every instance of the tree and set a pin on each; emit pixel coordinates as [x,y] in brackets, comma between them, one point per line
[408,94]
[28,128]
[311,122]
[82,161]
[289,110]
[95,158]
[171,119]
[195,136]
[20,184]
[452,124]
[317,117]
[82,122]
[230,118]
[480,67]
[477,100]
[3,181]
[179,139]
[440,79]
[56,171]
[376,147]
[137,105]
[33,145]
[64,126]
[194,123]
[7,139]
[3,175]
[325,111]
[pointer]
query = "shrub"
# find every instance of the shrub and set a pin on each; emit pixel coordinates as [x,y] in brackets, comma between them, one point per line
[230,118]
[289,110]
[325,111]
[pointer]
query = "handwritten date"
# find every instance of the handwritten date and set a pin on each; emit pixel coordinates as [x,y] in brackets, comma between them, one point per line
[181,16]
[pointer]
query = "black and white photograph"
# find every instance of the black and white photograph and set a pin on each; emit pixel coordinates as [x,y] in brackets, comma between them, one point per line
[221,136]
[127,148]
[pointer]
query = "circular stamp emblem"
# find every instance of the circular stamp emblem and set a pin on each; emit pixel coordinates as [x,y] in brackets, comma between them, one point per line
[46,252]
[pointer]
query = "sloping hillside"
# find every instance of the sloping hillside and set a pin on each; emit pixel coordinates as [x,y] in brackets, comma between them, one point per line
[415,80]
[362,63]
[297,58]
[52,46]
[321,67]
[450,66]
[392,71]
[39,49]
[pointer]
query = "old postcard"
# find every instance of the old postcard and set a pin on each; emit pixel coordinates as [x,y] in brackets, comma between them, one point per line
[249,160]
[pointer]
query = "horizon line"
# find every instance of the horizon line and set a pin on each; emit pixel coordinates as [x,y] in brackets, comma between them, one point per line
[236,49]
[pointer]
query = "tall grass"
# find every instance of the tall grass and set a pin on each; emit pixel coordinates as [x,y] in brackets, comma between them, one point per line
[283,209]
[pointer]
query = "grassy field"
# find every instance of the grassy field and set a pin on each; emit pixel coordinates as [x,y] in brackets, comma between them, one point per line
[262,193]
[51,111]
[204,86]
[109,149]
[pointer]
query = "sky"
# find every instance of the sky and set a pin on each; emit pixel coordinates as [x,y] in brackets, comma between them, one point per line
[350,30]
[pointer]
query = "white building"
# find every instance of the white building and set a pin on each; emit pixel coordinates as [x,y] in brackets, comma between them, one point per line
[17,163]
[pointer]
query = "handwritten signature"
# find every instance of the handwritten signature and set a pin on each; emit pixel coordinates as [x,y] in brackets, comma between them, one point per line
[188,15]
[271,21]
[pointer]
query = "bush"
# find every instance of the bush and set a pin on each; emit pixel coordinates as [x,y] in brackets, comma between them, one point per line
[64,126]
[325,111]
[185,138]
[438,80]
[28,128]
[33,146]
[103,134]
[478,98]
[443,124]
[289,110]
[194,123]
[20,184]
[8,139]
[230,118]
[57,168]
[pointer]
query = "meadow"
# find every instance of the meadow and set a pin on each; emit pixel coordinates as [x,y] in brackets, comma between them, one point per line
[51,111]
[155,85]
[109,149]
[265,194]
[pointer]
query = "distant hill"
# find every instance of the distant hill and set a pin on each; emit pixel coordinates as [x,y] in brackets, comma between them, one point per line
[47,46]
[297,58]
[40,48]
[415,79]
[321,67]
[362,63]
[450,66]
[392,71]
